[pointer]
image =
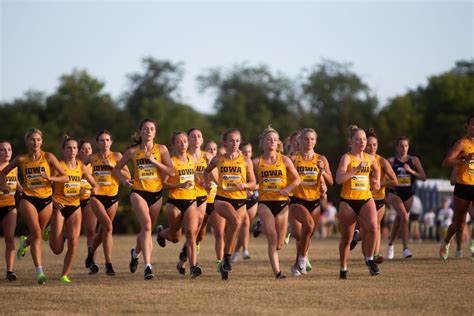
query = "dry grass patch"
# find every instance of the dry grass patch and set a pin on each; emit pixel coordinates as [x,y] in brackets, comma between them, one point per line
[422,285]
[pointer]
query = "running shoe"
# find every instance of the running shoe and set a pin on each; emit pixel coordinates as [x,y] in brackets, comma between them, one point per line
[343,274]
[133,265]
[93,269]
[183,254]
[378,258]
[64,279]
[355,239]
[46,232]
[180,268]
[287,237]
[224,273]
[373,268]
[235,256]
[226,265]
[390,252]
[295,271]
[196,271]
[148,274]
[246,255]
[22,248]
[309,267]
[160,240]
[109,270]
[280,276]
[302,264]
[89,259]
[257,230]
[458,254]
[11,276]
[41,278]
[407,253]
[218,264]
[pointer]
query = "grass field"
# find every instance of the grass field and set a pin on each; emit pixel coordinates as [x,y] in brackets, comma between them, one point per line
[422,285]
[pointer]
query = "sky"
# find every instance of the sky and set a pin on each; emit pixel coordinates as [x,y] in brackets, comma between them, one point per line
[393,46]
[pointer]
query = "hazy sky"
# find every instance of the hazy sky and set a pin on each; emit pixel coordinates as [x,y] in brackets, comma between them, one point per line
[394,46]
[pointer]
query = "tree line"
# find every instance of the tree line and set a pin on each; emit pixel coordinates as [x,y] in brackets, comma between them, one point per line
[327,96]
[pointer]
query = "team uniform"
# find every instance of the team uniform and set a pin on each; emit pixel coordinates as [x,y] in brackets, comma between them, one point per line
[201,193]
[68,193]
[271,179]
[307,193]
[86,190]
[182,198]
[406,181]
[107,193]
[379,195]
[147,181]
[464,187]
[7,200]
[211,197]
[232,172]
[356,190]
[36,189]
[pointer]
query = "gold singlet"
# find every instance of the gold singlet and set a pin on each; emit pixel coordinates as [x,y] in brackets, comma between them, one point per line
[271,179]
[11,180]
[380,193]
[201,165]
[231,172]
[358,186]
[466,171]
[183,172]
[145,174]
[34,183]
[309,188]
[69,193]
[102,173]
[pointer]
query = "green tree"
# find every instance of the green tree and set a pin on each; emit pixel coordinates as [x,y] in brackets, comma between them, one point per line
[250,98]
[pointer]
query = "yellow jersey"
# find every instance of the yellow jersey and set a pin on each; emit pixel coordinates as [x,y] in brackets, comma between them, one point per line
[466,171]
[358,186]
[380,193]
[201,165]
[11,180]
[69,193]
[271,179]
[102,173]
[309,188]
[146,176]
[231,172]
[183,172]
[86,188]
[34,183]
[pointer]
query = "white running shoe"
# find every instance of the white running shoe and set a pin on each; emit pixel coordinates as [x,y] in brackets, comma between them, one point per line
[458,254]
[295,271]
[390,252]
[302,264]
[246,255]
[406,253]
[235,256]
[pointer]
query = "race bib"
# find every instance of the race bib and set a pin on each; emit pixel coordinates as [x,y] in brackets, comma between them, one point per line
[404,180]
[359,183]
[72,189]
[229,181]
[103,178]
[86,187]
[309,178]
[35,180]
[147,172]
[272,184]
[186,178]
[470,170]
[213,190]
